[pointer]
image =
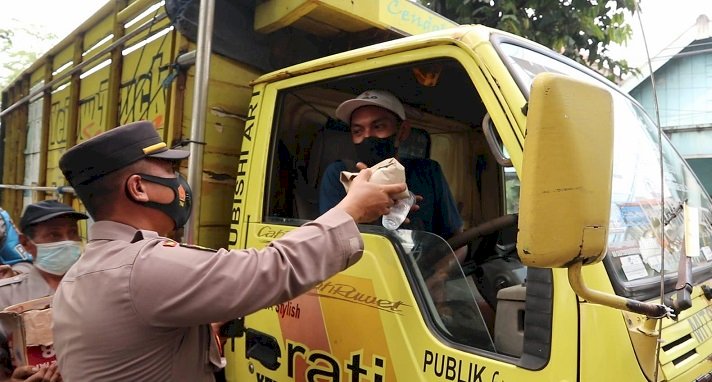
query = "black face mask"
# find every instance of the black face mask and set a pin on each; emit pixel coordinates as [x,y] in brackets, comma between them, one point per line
[179,209]
[373,150]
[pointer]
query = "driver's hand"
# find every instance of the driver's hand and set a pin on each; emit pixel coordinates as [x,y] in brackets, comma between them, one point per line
[36,374]
[414,207]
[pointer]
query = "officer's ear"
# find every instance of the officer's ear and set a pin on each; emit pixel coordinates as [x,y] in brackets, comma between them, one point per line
[28,244]
[135,189]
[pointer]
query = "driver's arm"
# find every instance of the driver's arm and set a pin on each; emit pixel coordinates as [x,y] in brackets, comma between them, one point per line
[461,253]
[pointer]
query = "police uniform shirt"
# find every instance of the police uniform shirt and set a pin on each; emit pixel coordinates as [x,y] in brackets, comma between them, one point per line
[22,287]
[135,305]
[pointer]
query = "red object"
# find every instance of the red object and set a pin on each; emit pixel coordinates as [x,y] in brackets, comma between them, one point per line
[41,355]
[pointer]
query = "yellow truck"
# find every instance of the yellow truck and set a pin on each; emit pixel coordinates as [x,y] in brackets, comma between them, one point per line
[588,238]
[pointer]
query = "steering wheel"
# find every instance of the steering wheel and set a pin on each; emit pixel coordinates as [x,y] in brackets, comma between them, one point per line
[490,273]
[486,228]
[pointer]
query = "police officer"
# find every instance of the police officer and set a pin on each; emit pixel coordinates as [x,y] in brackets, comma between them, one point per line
[136,306]
[48,232]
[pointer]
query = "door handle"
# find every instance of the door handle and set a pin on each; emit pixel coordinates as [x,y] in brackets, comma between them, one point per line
[263,348]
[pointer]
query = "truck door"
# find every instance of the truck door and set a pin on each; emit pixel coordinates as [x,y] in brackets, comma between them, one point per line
[410,309]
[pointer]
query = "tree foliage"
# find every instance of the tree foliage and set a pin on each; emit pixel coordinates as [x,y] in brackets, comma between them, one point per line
[19,48]
[580,29]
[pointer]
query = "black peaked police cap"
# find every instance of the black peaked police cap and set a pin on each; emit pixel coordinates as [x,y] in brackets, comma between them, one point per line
[113,150]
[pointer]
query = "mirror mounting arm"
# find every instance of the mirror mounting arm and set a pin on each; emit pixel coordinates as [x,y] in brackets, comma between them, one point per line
[614,301]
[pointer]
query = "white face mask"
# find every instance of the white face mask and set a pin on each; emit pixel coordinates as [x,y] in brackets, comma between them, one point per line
[56,258]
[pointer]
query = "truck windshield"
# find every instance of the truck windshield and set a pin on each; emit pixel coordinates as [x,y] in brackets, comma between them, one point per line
[636,242]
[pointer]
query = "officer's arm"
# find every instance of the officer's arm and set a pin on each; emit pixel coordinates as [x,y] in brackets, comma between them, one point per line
[178,286]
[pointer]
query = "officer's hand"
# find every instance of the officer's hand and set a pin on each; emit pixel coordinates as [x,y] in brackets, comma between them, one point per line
[215,326]
[418,198]
[366,201]
[36,374]
[6,271]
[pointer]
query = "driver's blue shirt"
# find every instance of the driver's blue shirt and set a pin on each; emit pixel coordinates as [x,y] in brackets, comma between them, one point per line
[437,213]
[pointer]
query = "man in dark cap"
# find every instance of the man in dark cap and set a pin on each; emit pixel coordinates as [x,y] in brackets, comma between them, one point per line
[137,306]
[48,231]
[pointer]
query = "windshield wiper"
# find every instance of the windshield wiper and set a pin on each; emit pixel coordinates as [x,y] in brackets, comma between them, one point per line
[672,213]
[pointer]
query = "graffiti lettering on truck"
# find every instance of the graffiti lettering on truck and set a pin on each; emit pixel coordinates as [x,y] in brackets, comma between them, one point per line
[322,366]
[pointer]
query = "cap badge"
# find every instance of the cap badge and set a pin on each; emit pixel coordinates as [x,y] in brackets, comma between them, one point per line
[153,148]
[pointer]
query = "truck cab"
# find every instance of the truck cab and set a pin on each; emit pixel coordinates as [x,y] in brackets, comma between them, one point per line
[410,309]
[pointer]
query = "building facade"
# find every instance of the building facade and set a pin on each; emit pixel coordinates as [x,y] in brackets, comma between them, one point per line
[683,81]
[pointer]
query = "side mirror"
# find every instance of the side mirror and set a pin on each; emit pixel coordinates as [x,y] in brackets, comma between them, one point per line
[565,194]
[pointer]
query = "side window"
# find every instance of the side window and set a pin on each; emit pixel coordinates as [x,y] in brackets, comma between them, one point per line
[495,305]
[308,139]
[471,288]
[511,190]
[455,306]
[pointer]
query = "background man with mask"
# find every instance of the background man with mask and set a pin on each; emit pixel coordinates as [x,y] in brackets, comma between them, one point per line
[137,306]
[378,126]
[49,232]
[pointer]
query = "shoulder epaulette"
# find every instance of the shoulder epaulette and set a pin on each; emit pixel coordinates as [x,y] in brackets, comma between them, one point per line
[20,277]
[198,247]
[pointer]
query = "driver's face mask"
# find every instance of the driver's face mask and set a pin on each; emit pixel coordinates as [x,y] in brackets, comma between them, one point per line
[373,150]
[179,209]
